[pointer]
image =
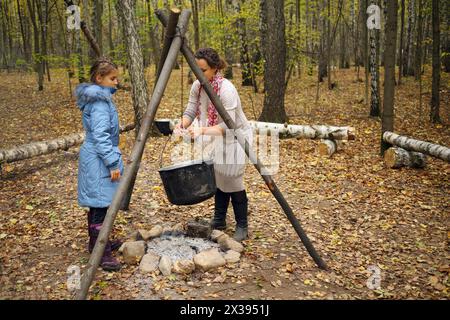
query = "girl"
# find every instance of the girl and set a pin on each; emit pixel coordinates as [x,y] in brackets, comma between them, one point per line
[229,169]
[100,164]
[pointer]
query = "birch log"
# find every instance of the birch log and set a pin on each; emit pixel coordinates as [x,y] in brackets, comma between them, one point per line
[34,149]
[328,147]
[295,131]
[395,158]
[409,144]
[305,131]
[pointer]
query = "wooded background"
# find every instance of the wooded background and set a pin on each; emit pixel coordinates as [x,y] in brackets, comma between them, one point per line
[311,63]
[272,40]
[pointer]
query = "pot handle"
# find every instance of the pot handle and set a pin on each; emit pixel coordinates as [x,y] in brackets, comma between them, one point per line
[162,151]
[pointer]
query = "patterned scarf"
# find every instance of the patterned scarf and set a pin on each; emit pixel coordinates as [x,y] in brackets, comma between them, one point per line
[213,117]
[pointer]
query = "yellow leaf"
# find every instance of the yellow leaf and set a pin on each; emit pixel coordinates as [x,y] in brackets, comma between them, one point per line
[28,207]
[308,282]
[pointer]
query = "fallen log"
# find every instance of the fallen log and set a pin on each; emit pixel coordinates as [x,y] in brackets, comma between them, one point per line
[409,144]
[294,131]
[34,149]
[328,147]
[305,131]
[395,158]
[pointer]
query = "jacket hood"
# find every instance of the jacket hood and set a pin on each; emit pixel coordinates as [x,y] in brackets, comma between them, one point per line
[89,93]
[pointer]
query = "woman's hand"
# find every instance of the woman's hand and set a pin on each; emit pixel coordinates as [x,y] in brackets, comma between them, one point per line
[194,132]
[115,175]
[179,130]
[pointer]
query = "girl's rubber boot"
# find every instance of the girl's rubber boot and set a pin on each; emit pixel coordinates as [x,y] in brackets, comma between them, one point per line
[108,262]
[115,244]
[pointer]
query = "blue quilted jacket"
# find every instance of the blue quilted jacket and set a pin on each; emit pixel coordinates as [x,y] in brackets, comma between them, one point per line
[99,153]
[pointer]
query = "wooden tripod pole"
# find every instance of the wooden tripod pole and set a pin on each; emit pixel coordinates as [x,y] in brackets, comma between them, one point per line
[136,155]
[91,39]
[190,58]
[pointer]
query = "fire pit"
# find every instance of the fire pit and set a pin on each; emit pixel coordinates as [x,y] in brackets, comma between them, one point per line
[170,250]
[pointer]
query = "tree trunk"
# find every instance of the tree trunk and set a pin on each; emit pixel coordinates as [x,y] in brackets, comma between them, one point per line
[5,45]
[329,44]
[308,41]
[375,74]
[408,69]
[355,29]
[156,49]
[400,51]
[9,36]
[245,60]
[409,144]
[66,49]
[126,8]
[78,47]
[226,42]
[92,51]
[37,51]
[418,57]
[446,39]
[395,158]
[97,23]
[323,66]
[365,45]
[110,31]
[344,61]
[435,100]
[23,33]
[42,9]
[194,5]
[387,122]
[80,60]
[4,41]
[274,52]
[427,36]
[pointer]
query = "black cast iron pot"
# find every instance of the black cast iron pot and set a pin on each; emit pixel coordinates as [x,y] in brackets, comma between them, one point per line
[163,126]
[189,182]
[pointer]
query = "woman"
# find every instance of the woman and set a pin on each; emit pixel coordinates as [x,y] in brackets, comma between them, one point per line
[100,164]
[229,161]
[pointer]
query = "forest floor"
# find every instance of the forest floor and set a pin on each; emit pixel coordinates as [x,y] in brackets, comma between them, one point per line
[356,212]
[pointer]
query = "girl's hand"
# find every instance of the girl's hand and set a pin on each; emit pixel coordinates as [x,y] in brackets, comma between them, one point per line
[115,175]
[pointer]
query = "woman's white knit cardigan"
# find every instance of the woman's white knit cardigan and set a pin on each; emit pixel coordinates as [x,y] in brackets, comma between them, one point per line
[229,157]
